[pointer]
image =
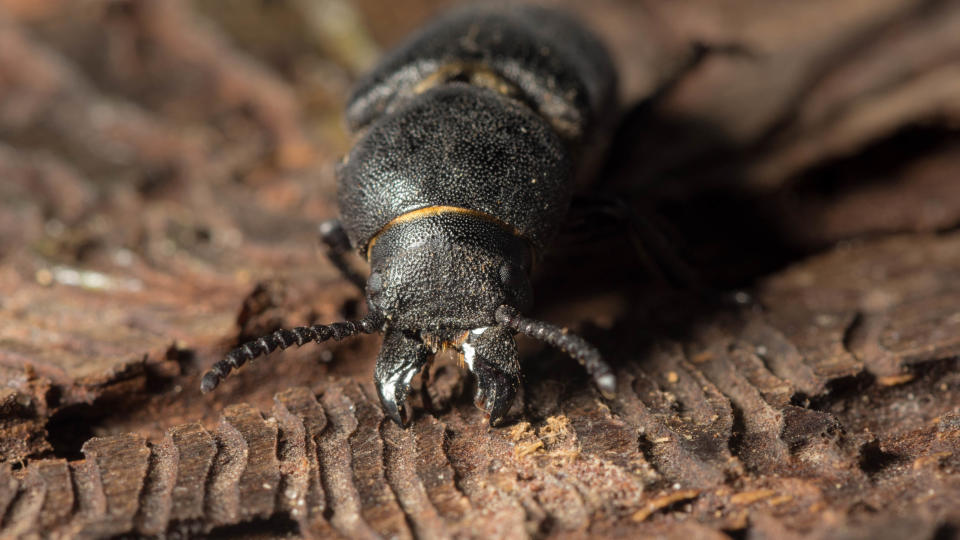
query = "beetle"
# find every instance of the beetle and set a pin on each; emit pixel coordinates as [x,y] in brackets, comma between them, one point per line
[471,135]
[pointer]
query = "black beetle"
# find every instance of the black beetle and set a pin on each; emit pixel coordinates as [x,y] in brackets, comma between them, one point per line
[462,176]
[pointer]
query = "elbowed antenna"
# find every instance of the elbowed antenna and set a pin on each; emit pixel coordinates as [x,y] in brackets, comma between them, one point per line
[284,338]
[572,344]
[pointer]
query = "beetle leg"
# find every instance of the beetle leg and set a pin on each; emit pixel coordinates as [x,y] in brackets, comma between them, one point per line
[400,358]
[491,355]
[336,245]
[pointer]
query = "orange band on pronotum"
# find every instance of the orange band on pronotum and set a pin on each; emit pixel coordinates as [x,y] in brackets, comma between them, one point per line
[431,211]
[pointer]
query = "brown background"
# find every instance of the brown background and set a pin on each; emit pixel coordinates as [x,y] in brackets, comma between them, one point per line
[163,166]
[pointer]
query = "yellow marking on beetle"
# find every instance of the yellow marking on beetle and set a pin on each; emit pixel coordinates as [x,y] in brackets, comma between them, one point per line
[474,73]
[481,75]
[431,211]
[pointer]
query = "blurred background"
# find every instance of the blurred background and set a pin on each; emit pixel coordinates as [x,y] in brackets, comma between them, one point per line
[164,164]
[169,134]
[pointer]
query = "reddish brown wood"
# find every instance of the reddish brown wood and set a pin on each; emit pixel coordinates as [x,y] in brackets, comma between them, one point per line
[164,166]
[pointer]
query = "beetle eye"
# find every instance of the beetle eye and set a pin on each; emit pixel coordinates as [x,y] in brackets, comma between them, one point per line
[374,283]
[511,276]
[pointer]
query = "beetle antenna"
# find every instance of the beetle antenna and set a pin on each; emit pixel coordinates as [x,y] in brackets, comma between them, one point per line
[284,338]
[572,344]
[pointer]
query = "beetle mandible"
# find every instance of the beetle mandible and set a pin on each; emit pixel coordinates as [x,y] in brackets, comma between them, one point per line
[470,135]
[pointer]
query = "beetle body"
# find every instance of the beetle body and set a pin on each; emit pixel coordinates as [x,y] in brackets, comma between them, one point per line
[469,136]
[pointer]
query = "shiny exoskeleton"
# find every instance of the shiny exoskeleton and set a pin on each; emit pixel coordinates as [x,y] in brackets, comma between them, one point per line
[470,137]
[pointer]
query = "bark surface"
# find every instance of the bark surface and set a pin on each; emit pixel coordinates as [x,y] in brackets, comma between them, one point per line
[163,167]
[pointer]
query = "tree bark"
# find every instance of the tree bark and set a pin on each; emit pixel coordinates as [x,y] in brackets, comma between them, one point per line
[164,166]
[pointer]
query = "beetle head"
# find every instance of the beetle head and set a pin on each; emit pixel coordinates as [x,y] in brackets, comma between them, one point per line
[447,272]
